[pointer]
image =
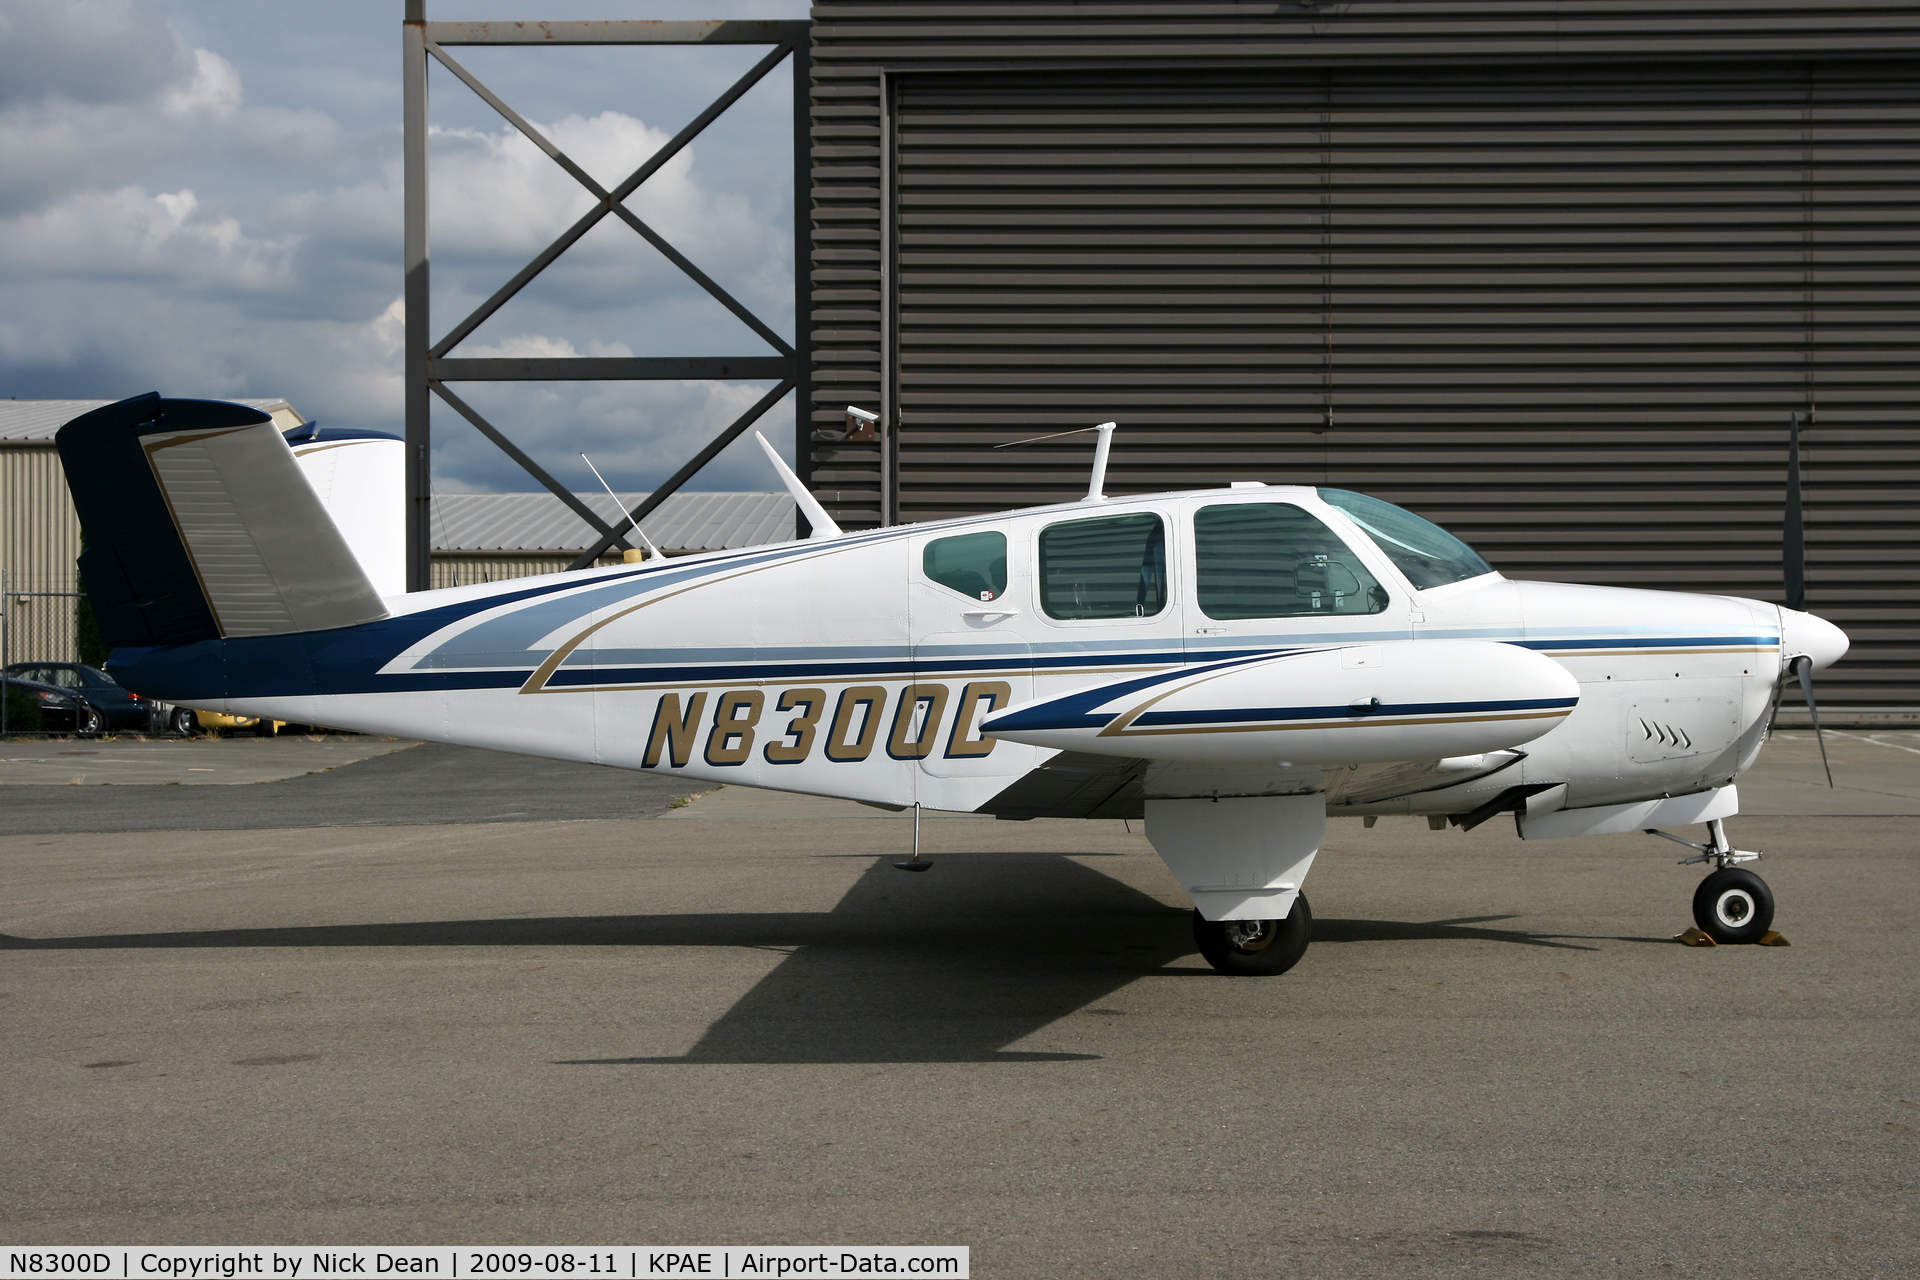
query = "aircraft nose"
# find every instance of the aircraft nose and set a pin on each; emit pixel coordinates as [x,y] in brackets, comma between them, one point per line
[1816,638]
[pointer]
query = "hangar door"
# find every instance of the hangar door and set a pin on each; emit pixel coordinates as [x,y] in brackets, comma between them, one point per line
[1564,311]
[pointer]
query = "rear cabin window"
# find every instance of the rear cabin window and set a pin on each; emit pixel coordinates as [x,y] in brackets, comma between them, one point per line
[974,564]
[1273,560]
[1114,567]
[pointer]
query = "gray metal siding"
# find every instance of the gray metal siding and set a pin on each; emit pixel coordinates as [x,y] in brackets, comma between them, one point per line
[1559,271]
[39,547]
[538,524]
[1025,34]
[467,569]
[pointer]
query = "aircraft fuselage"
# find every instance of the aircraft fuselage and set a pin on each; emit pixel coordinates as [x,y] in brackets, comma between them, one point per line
[863,666]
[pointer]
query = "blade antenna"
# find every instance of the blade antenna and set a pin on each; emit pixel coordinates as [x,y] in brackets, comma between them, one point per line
[823,525]
[653,552]
[1097,482]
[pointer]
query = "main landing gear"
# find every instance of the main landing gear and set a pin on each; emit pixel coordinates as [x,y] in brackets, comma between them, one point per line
[1732,905]
[1255,948]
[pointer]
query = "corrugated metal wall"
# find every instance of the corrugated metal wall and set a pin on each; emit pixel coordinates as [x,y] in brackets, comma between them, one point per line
[456,569]
[1564,310]
[39,545]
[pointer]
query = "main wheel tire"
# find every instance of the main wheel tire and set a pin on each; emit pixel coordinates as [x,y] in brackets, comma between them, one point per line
[1733,906]
[1255,948]
[182,721]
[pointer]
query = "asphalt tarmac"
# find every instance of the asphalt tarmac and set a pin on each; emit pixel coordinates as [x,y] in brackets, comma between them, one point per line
[736,1023]
[65,786]
[251,784]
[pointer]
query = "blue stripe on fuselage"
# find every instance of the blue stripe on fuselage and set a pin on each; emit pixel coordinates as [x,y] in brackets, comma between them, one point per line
[1244,715]
[493,654]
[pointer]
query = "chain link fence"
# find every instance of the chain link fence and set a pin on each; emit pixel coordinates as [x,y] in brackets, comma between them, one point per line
[38,623]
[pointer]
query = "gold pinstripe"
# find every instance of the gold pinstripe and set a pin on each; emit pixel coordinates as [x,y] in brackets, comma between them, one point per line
[1273,727]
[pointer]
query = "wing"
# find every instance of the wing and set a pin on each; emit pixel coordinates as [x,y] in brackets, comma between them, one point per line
[1074,784]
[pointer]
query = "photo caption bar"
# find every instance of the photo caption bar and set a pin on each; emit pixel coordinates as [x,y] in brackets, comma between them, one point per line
[481,1262]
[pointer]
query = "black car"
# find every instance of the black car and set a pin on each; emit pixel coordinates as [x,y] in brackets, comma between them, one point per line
[61,710]
[118,707]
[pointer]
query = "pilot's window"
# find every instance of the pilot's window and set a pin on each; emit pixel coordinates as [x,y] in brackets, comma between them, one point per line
[1273,560]
[1114,567]
[1426,553]
[974,564]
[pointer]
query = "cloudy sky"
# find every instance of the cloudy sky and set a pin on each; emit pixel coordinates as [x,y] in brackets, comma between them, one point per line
[202,198]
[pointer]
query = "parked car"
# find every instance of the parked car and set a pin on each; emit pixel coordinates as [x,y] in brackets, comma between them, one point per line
[61,710]
[184,720]
[164,717]
[119,708]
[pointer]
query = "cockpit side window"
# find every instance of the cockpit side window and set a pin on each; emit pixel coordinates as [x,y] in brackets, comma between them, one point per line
[1273,560]
[974,564]
[1426,553]
[1115,567]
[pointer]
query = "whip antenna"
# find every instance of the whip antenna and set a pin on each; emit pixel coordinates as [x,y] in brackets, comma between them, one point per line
[1097,482]
[652,550]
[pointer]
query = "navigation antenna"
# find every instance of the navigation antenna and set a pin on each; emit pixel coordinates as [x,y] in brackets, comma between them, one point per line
[653,552]
[1096,483]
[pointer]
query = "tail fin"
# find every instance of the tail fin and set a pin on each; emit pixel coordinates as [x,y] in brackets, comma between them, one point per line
[361,479]
[199,525]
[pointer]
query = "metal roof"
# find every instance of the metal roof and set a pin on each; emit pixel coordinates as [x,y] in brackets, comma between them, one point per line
[39,419]
[538,522]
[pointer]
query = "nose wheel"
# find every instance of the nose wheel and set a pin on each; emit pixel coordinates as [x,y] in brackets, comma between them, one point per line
[1255,948]
[1732,906]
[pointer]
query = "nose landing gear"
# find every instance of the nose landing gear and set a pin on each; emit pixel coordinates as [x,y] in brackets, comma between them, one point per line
[1732,905]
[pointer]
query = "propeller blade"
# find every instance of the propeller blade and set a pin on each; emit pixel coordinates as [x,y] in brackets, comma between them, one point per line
[1773,712]
[1793,538]
[1803,667]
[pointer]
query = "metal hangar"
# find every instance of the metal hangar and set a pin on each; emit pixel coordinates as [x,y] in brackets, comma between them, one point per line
[1557,275]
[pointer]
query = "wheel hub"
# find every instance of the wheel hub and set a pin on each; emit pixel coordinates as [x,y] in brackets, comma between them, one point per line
[1734,908]
[1252,935]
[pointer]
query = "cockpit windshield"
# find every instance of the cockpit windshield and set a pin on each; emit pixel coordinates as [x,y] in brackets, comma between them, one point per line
[1426,553]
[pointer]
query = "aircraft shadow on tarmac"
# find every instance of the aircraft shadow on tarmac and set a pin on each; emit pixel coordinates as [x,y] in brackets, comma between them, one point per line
[983,952]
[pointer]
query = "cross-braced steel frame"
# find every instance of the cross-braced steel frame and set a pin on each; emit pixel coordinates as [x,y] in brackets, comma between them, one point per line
[429,366]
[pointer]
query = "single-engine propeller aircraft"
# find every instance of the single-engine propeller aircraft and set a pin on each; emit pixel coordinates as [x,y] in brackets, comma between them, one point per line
[1232,665]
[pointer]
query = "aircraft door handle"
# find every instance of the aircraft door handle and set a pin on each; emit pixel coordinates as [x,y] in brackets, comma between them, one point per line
[991,613]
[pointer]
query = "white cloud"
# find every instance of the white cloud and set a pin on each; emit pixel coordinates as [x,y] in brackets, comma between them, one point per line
[213,92]
[540,346]
[129,233]
[160,230]
[495,193]
[89,50]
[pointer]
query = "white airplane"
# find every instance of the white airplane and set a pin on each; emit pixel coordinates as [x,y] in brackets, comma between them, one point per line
[1232,665]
